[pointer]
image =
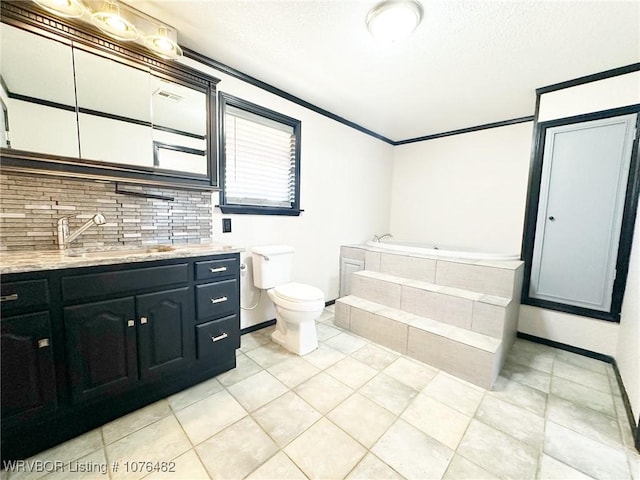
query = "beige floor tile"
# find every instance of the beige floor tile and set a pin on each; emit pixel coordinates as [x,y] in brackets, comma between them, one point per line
[325,331]
[412,453]
[269,355]
[210,415]
[193,394]
[257,390]
[253,340]
[128,424]
[185,467]
[527,376]
[323,392]
[538,361]
[324,356]
[375,356]
[362,419]
[351,372]
[462,469]
[78,447]
[584,454]
[372,468]
[514,421]
[159,442]
[552,469]
[388,393]
[583,376]
[323,441]
[489,448]
[584,396]
[437,420]
[345,343]
[588,422]
[520,395]
[278,467]
[412,373]
[286,417]
[454,392]
[582,361]
[236,451]
[89,467]
[245,367]
[294,371]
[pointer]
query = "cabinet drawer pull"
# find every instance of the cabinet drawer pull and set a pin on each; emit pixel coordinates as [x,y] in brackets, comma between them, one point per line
[9,298]
[219,300]
[131,323]
[143,320]
[219,337]
[217,270]
[43,343]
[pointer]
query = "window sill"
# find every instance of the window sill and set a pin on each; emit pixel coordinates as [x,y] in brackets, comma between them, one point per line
[254,210]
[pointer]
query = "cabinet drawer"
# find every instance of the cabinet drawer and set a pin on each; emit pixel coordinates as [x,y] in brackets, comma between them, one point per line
[216,299]
[218,339]
[79,287]
[213,269]
[30,294]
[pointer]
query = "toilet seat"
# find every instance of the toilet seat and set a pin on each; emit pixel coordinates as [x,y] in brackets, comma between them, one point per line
[298,296]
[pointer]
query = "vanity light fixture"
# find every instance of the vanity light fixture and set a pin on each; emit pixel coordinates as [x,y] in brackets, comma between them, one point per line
[64,8]
[120,21]
[394,20]
[112,22]
[162,44]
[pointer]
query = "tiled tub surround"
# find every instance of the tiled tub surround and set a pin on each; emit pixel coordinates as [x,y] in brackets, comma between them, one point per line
[30,206]
[353,409]
[457,315]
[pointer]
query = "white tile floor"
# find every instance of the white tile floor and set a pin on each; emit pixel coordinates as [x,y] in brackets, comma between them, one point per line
[352,409]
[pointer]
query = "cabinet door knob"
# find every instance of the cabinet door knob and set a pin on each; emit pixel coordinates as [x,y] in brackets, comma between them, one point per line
[43,343]
[217,270]
[131,323]
[9,298]
[219,337]
[219,300]
[143,320]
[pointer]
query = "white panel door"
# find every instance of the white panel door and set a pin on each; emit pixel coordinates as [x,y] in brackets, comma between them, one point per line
[582,191]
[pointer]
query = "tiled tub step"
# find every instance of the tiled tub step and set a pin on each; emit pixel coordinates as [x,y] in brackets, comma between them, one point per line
[486,314]
[472,356]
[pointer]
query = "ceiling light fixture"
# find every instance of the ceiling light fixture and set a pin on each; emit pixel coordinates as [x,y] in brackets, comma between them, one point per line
[394,20]
[64,8]
[120,21]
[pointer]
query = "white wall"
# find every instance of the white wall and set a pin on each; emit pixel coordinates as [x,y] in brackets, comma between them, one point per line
[465,191]
[345,192]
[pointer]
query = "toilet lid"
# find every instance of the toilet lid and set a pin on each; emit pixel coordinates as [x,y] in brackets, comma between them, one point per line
[299,292]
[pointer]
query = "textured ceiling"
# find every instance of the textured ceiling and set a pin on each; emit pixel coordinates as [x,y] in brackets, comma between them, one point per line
[469,63]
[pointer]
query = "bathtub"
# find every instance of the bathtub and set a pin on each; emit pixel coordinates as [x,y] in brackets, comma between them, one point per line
[400,247]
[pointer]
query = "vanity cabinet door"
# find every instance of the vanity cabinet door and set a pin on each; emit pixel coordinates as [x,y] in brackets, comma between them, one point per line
[165,342]
[101,346]
[28,377]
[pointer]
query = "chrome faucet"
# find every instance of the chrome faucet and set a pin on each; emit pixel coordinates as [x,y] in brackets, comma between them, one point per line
[65,237]
[377,238]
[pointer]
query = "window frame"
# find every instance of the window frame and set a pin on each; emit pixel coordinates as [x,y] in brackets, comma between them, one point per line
[227,99]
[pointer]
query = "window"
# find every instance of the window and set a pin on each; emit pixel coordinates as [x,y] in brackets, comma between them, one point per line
[259,159]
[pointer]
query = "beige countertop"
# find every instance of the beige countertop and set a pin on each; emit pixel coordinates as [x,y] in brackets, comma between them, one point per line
[30,261]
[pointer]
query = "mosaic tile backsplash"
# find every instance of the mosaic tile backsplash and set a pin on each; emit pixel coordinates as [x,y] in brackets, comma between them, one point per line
[30,206]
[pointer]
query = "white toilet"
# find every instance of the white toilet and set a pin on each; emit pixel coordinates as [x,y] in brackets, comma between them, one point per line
[297,305]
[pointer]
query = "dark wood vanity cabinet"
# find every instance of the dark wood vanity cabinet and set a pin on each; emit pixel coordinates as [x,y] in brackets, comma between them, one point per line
[99,342]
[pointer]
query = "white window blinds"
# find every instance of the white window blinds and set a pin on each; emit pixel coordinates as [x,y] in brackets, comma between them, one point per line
[259,160]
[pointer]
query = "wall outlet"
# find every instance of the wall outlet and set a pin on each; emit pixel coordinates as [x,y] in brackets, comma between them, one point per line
[226,225]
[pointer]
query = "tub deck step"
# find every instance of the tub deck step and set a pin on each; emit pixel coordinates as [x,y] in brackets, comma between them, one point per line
[482,313]
[470,355]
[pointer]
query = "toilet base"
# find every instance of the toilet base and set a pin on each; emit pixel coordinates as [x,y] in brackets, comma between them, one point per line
[298,338]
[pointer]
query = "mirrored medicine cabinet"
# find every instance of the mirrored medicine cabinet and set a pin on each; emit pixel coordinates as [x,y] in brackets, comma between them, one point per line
[76,104]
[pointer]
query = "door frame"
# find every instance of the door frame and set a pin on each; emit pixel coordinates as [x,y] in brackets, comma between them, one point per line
[628,217]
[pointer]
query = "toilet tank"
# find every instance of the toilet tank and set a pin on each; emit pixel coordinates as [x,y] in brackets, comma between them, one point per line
[272,265]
